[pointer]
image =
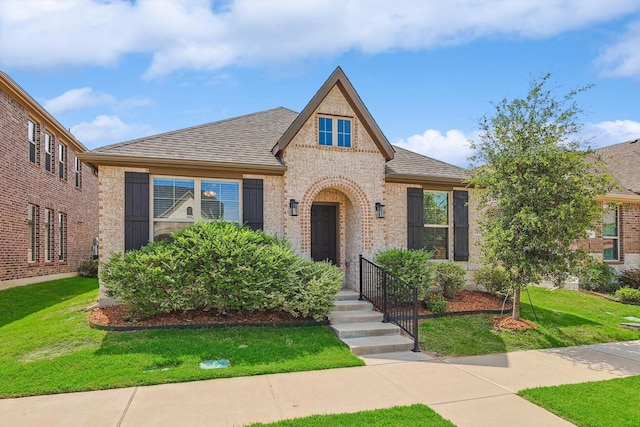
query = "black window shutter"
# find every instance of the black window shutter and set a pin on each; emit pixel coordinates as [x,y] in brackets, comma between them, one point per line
[252,203]
[136,210]
[415,218]
[460,225]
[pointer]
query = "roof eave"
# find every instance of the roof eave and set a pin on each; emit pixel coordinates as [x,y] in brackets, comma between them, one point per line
[619,197]
[423,179]
[99,159]
[20,95]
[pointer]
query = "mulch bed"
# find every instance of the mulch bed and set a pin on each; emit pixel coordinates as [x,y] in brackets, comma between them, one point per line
[117,316]
[508,323]
[473,301]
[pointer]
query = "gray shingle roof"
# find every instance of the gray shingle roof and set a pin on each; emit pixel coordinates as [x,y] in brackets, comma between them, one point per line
[623,162]
[242,140]
[407,162]
[248,140]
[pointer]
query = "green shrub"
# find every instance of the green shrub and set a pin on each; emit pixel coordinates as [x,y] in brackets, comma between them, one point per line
[628,295]
[630,278]
[409,265]
[89,268]
[223,267]
[494,279]
[436,302]
[451,277]
[599,277]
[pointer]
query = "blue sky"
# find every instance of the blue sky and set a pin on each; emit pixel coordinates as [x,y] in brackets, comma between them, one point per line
[115,70]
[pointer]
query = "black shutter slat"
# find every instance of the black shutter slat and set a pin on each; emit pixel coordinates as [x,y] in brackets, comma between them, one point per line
[252,203]
[460,225]
[415,218]
[136,210]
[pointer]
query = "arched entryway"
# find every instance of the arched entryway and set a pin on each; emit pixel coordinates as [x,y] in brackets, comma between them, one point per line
[336,224]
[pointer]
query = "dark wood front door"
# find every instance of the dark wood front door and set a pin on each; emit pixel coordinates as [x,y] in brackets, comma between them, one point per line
[324,233]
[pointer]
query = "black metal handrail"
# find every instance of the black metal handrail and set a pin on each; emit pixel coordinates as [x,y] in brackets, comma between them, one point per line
[395,298]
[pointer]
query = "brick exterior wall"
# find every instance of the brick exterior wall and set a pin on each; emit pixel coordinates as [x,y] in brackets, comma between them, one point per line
[629,236]
[352,178]
[27,183]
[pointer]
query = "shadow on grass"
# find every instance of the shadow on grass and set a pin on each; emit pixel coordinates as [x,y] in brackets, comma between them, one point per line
[19,302]
[245,345]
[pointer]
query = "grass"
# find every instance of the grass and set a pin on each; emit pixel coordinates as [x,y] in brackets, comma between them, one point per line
[566,318]
[596,404]
[398,416]
[48,346]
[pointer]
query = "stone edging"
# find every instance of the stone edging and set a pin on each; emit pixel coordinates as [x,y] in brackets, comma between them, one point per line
[202,326]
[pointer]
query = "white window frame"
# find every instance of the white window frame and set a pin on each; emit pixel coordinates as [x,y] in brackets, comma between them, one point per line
[62,236]
[334,130]
[48,235]
[615,238]
[32,130]
[32,231]
[443,226]
[62,161]
[77,170]
[197,201]
[48,151]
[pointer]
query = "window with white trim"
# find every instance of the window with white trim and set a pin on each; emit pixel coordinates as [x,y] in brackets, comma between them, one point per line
[62,236]
[48,152]
[48,235]
[611,234]
[436,223]
[179,202]
[33,141]
[32,232]
[341,137]
[77,171]
[62,161]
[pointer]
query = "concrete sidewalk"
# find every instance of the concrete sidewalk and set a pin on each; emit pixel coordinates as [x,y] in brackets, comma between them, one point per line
[469,391]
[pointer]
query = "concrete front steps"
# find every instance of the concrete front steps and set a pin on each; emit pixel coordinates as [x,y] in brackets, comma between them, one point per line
[361,328]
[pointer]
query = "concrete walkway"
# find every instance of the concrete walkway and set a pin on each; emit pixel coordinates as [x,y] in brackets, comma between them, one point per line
[469,391]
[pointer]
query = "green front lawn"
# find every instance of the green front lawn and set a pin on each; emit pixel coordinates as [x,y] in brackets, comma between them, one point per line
[398,416]
[566,318]
[596,404]
[47,346]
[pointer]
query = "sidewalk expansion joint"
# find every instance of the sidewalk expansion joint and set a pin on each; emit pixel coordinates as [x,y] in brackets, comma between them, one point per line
[273,396]
[471,399]
[126,408]
[458,367]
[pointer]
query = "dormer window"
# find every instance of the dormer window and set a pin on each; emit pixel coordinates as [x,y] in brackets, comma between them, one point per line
[340,138]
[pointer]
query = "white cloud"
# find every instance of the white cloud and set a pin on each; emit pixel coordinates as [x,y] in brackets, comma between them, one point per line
[106,130]
[77,98]
[622,59]
[452,147]
[190,34]
[611,132]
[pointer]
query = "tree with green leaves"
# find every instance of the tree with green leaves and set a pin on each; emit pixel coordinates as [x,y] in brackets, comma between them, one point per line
[538,184]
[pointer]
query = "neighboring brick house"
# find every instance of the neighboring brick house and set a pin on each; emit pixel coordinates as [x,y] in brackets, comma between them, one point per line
[617,239]
[49,199]
[325,179]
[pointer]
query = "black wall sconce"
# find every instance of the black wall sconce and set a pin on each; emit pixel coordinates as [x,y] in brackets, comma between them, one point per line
[379,210]
[293,207]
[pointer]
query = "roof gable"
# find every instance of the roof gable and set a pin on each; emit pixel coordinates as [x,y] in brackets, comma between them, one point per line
[339,79]
[622,162]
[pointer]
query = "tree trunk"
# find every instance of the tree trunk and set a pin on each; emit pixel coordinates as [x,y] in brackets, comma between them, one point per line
[516,301]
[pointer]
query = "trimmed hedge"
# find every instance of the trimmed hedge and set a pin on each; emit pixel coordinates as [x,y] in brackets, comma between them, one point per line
[224,267]
[411,266]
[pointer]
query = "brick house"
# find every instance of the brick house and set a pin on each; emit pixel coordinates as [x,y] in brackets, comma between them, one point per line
[617,239]
[326,179]
[49,202]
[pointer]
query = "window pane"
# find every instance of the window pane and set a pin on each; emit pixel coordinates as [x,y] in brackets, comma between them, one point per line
[610,250]
[436,241]
[220,200]
[344,133]
[172,197]
[325,135]
[610,223]
[436,208]
[62,230]
[162,229]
